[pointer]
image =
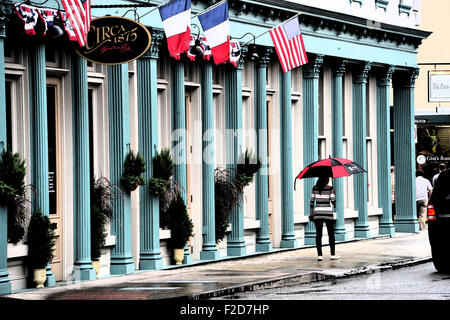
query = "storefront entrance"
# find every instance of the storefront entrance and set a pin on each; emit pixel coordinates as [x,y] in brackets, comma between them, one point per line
[54,168]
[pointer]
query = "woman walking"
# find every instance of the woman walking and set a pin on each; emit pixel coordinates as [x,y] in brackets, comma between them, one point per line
[322,198]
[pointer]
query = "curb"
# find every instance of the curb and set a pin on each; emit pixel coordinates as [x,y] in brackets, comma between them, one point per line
[304,279]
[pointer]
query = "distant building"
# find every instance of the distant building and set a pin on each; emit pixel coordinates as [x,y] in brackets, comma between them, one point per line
[362,59]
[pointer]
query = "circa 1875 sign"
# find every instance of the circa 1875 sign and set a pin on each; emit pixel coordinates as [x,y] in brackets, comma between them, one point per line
[115,40]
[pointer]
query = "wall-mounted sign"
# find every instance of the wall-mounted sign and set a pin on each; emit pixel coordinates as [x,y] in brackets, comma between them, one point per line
[439,86]
[115,40]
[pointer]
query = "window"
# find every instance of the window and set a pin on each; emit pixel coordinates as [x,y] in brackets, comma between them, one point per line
[8,116]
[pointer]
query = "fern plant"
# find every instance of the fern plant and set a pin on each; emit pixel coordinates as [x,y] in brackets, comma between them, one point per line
[133,168]
[41,241]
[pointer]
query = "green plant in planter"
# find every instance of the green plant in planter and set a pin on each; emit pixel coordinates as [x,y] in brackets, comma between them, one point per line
[247,166]
[161,184]
[226,197]
[102,193]
[133,168]
[41,241]
[13,194]
[180,223]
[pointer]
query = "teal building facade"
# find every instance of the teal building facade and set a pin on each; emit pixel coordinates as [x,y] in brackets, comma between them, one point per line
[72,119]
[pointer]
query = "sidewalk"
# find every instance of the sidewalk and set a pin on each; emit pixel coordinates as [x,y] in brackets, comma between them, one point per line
[209,279]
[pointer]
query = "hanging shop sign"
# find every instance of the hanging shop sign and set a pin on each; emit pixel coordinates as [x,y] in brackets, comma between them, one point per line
[439,86]
[115,40]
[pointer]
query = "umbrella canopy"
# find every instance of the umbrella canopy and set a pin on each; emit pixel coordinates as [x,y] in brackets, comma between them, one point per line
[331,167]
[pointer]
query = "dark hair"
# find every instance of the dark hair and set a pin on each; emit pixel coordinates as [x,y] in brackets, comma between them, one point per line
[322,182]
[442,166]
[420,173]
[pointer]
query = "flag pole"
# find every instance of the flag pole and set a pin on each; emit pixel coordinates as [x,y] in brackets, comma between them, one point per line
[299,13]
[208,9]
[153,9]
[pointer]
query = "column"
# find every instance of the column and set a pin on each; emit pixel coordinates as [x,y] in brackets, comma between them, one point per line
[263,243]
[360,77]
[233,123]
[384,150]
[119,141]
[337,124]
[147,72]
[39,136]
[209,249]
[5,283]
[82,203]
[311,73]
[404,153]
[287,189]
[179,134]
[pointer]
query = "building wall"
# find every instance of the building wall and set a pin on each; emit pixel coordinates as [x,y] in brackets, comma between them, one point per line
[434,49]
[318,41]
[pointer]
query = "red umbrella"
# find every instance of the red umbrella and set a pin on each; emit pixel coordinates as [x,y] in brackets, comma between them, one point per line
[331,167]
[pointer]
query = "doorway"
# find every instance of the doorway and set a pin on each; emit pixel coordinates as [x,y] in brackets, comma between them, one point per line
[269,176]
[54,171]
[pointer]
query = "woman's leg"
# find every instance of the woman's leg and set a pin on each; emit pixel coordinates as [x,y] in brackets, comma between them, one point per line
[330,229]
[319,225]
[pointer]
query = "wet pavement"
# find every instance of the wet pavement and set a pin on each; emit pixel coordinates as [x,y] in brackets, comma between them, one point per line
[230,275]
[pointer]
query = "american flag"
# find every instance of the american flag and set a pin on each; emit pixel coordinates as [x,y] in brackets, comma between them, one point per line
[79,14]
[288,41]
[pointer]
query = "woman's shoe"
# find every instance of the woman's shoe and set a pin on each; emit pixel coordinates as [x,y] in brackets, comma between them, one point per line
[335,257]
[320,258]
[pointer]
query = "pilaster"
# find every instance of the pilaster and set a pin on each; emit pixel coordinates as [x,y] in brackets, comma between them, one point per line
[82,181]
[39,136]
[179,134]
[5,283]
[209,249]
[360,77]
[287,190]
[404,152]
[150,255]
[233,123]
[311,73]
[119,141]
[337,124]
[384,150]
[263,243]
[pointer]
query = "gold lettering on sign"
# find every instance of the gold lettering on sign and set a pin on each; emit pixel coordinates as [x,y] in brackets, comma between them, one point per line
[115,35]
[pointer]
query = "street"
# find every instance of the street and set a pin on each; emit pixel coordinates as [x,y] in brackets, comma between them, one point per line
[420,282]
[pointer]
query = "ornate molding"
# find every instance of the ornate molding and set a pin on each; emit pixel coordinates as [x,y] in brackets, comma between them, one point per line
[311,70]
[244,53]
[341,65]
[156,41]
[361,73]
[5,14]
[265,54]
[384,77]
[406,79]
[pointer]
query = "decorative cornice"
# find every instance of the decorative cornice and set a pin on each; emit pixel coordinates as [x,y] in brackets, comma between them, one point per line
[384,77]
[5,14]
[361,73]
[311,70]
[274,11]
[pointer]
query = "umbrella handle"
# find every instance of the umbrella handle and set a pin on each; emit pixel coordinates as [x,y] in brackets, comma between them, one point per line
[295,181]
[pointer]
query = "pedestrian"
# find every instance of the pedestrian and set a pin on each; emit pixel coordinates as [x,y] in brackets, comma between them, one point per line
[441,168]
[423,193]
[322,198]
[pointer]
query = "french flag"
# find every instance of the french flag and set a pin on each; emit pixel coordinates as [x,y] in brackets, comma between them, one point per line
[216,26]
[176,19]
